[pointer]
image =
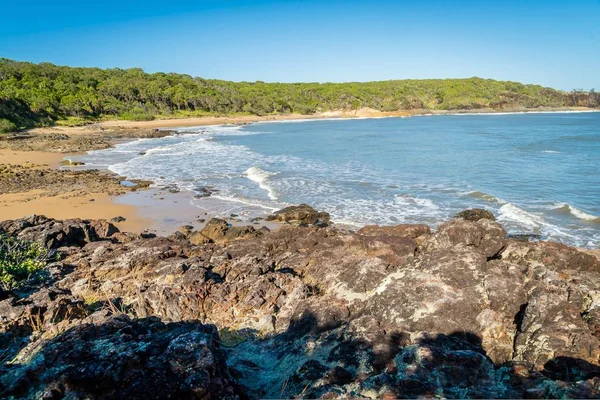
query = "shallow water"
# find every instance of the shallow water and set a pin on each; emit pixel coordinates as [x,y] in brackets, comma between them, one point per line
[538,173]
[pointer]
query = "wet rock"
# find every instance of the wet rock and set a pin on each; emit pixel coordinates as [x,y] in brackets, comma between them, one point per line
[475,214]
[302,214]
[204,191]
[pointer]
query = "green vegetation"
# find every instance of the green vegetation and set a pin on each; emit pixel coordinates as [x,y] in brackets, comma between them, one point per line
[42,94]
[6,126]
[19,260]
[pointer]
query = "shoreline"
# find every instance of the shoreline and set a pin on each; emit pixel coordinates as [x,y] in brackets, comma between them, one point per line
[75,201]
[150,210]
[166,123]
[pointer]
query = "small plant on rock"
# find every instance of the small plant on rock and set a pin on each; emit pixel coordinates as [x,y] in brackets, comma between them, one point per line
[19,260]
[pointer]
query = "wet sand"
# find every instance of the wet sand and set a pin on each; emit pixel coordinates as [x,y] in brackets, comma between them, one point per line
[153,210]
[67,204]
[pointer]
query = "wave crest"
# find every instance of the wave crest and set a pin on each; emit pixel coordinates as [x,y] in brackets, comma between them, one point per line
[510,212]
[567,208]
[261,177]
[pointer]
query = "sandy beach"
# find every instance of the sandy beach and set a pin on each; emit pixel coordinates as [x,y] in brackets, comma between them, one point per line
[39,182]
[44,149]
[62,204]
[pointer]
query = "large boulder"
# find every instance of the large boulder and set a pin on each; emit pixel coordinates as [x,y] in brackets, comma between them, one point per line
[302,214]
[219,231]
[475,214]
[53,233]
[485,235]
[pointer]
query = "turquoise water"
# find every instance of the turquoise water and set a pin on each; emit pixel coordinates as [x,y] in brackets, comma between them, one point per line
[538,173]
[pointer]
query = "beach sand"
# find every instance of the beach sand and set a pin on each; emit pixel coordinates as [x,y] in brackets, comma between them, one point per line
[71,205]
[39,158]
[200,121]
[64,205]
[153,210]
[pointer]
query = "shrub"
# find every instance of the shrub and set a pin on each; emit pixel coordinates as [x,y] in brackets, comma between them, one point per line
[136,116]
[7,126]
[19,260]
[73,121]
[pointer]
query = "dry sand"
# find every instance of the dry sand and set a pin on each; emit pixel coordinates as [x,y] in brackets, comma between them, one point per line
[41,158]
[69,205]
[198,121]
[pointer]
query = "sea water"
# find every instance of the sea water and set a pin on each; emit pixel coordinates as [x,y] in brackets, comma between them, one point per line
[539,173]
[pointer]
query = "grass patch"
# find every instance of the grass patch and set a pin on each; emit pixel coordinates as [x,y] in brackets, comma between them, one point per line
[6,126]
[20,260]
[74,121]
[136,116]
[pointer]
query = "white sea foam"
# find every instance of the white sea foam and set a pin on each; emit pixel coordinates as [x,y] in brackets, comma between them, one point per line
[261,177]
[550,151]
[511,213]
[509,113]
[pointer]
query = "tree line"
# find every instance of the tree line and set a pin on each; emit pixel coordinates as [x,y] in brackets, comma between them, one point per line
[46,94]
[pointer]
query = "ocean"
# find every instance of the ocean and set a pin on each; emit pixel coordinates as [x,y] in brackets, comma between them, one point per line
[539,173]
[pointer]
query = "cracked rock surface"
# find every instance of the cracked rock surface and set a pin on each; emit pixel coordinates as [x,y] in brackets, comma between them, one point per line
[303,311]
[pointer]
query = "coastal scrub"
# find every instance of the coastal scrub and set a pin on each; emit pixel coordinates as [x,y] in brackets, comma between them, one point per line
[19,260]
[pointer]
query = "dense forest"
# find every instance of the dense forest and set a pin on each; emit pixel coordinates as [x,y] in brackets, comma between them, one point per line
[45,94]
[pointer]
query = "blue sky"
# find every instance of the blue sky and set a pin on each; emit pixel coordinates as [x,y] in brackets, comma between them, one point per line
[553,43]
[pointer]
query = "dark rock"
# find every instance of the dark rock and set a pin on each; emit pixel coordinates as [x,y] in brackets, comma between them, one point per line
[123,358]
[118,219]
[205,191]
[306,312]
[475,214]
[302,214]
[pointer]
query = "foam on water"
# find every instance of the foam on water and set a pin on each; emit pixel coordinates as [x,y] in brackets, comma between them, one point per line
[387,171]
[261,177]
[485,196]
[565,207]
[511,213]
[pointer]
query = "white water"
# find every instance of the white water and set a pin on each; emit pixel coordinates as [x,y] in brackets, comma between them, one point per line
[389,171]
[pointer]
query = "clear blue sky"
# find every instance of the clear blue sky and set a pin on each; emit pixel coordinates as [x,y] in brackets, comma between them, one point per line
[553,43]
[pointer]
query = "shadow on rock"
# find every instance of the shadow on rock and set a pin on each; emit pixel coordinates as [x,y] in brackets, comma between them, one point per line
[125,359]
[318,358]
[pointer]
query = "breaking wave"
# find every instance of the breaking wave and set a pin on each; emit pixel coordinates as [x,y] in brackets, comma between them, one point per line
[567,208]
[261,177]
[511,213]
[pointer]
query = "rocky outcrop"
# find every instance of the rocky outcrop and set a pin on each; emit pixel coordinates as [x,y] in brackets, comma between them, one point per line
[125,359]
[53,234]
[475,214]
[314,312]
[220,231]
[302,214]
